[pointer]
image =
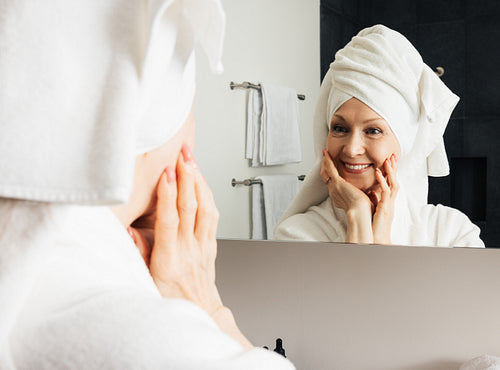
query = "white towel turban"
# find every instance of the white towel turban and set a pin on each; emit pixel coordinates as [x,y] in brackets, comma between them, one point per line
[381,68]
[85,86]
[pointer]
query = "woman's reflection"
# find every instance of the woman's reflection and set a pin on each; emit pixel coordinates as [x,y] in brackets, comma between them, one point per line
[382,113]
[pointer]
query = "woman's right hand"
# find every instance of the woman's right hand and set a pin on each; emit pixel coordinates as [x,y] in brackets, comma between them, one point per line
[182,261]
[343,194]
[353,201]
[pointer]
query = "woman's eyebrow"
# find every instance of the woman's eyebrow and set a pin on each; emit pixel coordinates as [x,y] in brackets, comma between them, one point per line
[374,119]
[338,116]
[369,120]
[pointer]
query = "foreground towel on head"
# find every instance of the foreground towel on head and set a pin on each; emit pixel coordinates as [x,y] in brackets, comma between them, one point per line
[273,132]
[269,201]
[382,69]
[104,82]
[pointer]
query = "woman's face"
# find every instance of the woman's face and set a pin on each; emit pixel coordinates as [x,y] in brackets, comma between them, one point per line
[151,164]
[360,141]
[148,169]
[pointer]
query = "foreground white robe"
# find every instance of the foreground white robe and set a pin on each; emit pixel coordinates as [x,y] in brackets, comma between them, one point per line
[82,298]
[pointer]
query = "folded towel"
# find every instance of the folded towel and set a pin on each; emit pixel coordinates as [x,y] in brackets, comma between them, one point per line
[273,135]
[484,362]
[269,201]
[259,230]
[280,138]
[254,119]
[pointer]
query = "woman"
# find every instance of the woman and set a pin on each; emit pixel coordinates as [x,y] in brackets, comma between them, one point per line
[381,113]
[96,140]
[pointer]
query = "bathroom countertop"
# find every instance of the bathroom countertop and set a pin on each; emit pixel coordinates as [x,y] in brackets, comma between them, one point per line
[340,306]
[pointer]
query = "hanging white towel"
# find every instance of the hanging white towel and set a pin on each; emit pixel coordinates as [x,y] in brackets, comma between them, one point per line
[280,138]
[269,201]
[273,133]
[259,230]
[254,119]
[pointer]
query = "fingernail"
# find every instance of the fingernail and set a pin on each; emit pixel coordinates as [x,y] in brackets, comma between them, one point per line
[170,174]
[188,156]
[323,151]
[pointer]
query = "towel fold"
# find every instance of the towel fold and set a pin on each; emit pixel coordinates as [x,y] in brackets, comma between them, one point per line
[269,201]
[78,106]
[254,117]
[273,134]
[484,362]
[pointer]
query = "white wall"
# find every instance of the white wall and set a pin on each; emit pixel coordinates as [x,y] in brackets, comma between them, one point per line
[275,42]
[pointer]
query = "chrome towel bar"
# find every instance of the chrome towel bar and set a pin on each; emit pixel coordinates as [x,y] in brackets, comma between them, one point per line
[250,182]
[249,85]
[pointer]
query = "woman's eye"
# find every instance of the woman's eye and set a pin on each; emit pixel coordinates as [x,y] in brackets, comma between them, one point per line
[338,129]
[373,131]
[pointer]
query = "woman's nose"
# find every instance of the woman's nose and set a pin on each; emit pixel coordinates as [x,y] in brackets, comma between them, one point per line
[354,146]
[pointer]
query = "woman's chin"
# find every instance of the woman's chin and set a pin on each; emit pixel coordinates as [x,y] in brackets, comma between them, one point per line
[361,184]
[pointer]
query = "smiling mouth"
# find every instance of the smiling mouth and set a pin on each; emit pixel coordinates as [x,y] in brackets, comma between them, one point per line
[356,168]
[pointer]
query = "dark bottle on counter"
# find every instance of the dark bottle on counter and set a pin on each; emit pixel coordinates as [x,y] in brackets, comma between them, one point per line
[279,347]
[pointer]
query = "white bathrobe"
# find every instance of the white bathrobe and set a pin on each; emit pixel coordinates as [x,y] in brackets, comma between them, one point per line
[84,299]
[429,225]
[381,68]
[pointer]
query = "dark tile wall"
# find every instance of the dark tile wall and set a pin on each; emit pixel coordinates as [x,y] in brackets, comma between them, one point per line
[463,37]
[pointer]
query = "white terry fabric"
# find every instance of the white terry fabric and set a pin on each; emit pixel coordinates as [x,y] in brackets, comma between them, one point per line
[273,130]
[80,296]
[86,86]
[430,225]
[259,227]
[484,362]
[269,201]
[381,68]
[254,124]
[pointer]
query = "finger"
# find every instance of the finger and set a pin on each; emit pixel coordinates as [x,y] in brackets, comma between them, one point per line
[323,174]
[167,219]
[206,225]
[207,215]
[394,163]
[388,170]
[330,168]
[391,168]
[386,191]
[187,204]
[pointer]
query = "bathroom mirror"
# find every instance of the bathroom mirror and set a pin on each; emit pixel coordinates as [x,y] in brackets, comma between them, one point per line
[279,43]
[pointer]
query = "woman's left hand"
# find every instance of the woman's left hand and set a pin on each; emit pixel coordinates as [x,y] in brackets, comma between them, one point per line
[384,201]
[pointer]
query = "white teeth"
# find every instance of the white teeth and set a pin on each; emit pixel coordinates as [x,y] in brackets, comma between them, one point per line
[356,166]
